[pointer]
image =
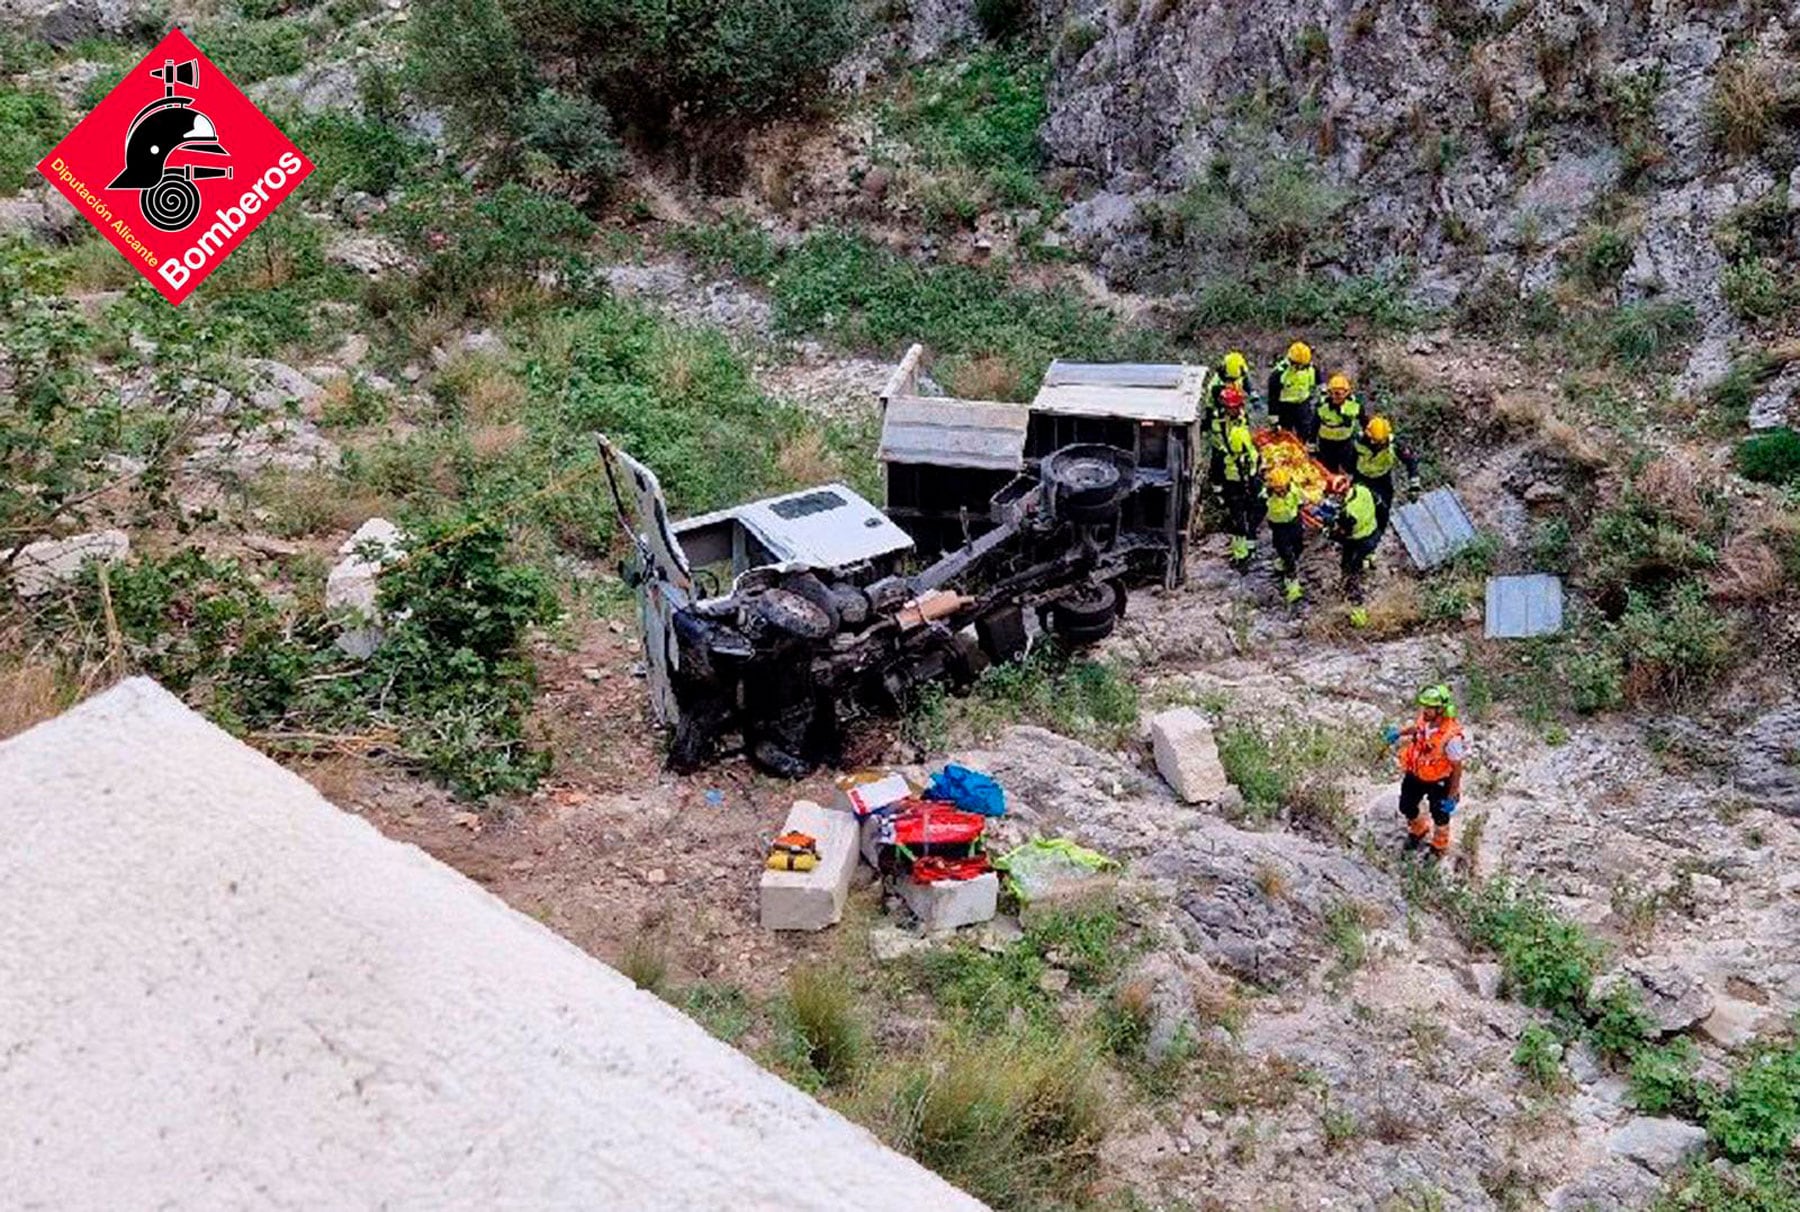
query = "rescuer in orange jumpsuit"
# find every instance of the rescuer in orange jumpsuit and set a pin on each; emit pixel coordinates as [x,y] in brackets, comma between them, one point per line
[1432,751]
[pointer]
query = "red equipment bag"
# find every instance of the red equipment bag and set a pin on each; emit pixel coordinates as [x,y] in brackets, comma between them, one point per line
[918,829]
[931,870]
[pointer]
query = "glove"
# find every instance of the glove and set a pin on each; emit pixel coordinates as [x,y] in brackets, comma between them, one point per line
[1391,734]
[1450,803]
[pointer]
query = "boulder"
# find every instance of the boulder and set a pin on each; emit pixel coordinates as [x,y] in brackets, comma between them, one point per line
[1674,998]
[1186,756]
[1733,1023]
[350,588]
[47,564]
[1659,1145]
[286,444]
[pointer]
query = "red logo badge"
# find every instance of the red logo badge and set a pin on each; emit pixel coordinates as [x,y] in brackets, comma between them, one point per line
[175,166]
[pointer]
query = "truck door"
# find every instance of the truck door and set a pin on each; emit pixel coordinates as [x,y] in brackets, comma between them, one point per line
[665,583]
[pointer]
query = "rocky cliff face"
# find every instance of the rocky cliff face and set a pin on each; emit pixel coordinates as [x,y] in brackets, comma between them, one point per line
[1479,145]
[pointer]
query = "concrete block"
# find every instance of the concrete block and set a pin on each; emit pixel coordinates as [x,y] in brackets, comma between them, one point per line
[1186,756]
[948,904]
[812,900]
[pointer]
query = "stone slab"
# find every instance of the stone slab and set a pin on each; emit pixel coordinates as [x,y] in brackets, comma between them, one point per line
[1186,755]
[812,900]
[948,904]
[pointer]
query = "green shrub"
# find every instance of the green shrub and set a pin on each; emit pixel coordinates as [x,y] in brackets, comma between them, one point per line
[1759,1187]
[1754,292]
[980,116]
[1316,301]
[1663,1081]
[357,153]
[1770,458]
[1014,1119]
[1676,643]
[1617,1024]
[1088,941]
[827,1027]
[249,51]
[1292,766]
[1548,961]
[1650,334]
[645,963]
[1539,1054]
[724,1010]
[465,57]
[473,244]
[575,135]
[1072,695]
[1602,254]
[30,123]
[1757,1115]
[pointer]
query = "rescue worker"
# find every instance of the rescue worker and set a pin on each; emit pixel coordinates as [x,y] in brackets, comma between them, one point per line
[1233,371]
[1377,455]
[1340,419]
[1285,501]
[1242,463]
[1353,529]
[1431,752]
[1293,386]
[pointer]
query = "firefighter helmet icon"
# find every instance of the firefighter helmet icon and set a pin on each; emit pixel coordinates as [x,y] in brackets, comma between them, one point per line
[167,194]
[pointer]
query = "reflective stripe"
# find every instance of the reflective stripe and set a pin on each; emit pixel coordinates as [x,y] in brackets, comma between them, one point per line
[1286,507]
[1359,506]
[1335,424]
[1425,756]
[1242,459]
[1297,382]
[1372,464]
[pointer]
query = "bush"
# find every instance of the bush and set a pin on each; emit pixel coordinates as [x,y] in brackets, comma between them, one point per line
[1548,961]
[477,245]
[249,51]
[575,135]
[1539,1054]
[1663,1081]
[1617,1025]
[1675,644]
[1295,767]
[1754,292]
[1749,99]
[1015,1120]
[1646,335]
[30,122]
[1757,1116]
[1770,458]
[979,117]
[827,1029]
[358,153]
[465,57]
[1760,1187]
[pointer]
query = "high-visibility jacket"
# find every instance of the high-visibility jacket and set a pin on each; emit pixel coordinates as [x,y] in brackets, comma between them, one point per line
[1373,462]
[1285,507]
[1426,754]
[1218,428]
[1297,382]
[1357,521]
[1339,422]
[1242,459]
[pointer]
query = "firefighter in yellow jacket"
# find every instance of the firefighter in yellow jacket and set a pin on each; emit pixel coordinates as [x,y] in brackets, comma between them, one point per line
[1355,530]
[1241,467]
[1282,509]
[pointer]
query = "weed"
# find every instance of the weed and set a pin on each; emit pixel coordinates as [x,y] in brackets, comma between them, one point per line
[826,1028]
[724,1010]
[1675,644]
[1757,1114]
[1341,1127]
[1663,1081]
[645,963]
[980,116]
[1758,1187]
[1075,696]
[1617,1023]
[1539,1054]
[1548,961]
[1015,1120]
[1646,335]
[1087,940]
[1344,932]
[1602,253]
[249,51]
[1749,99]
[1294,768]
[29,124]
[1770,458]
[1755,292]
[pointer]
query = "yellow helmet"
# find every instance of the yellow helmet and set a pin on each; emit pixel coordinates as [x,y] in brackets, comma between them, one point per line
[1235,365]
[1300,353]
[1280,479]
[1339,382]
[1379,430]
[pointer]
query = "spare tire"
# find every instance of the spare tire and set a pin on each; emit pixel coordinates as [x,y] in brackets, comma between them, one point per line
[1085,607]
[1087,477]
[789,613]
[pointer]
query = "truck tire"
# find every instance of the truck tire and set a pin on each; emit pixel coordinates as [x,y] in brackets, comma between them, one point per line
[1085,615]
[787,612]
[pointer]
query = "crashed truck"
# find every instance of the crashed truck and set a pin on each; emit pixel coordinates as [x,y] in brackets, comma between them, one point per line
[774,625]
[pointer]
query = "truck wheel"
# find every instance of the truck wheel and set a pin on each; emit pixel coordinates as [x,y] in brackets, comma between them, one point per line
[789,613]
[1090,609]
[1076,637]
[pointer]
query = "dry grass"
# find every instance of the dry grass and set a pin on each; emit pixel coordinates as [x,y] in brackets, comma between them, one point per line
[1394,609]
[483,388]
[30,693]
[492,441]
[314,502]
[1747,101]
[1670,484]
[804,459]
[988,378]
[645,962]
[1748,571]
[1270,881]
[1536,413]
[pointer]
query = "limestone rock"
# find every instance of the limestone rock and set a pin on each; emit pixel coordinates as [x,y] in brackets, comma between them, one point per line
[1659,1145]
[1186,755]
[276,384]
[1674,999]
[42,566]
[366,254]
[1733,1023]
[351,588]
[287,443]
